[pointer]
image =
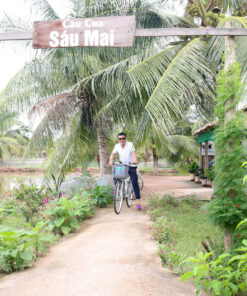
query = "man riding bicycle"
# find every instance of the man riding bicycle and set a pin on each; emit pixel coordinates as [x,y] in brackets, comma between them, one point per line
[126,152]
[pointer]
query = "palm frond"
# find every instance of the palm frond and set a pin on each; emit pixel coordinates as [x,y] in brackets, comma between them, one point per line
[59,111]
[216,45]
[45,8]
[147,73]
[17,24]
[184,78]
[233,5]
[71,149]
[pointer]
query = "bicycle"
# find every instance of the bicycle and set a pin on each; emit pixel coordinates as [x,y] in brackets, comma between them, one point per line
[123,186]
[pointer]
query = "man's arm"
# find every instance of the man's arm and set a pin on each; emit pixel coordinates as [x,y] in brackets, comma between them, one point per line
[111,158]
[134,158]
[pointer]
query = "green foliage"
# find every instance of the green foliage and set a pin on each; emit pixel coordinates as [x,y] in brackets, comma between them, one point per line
[9,204]
[210,174]
[102,195]
[155,213]
[199,172]
[193,167]
[64,214]
[157,202]
[16,251]
[161,230]
[212,245]
[39,240]
[229,206]
[224,276]
[54,183]
[12,142]
[30,198]
[172,258]
[2,211]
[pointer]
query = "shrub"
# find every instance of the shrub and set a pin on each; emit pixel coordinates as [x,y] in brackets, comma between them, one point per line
[210,174]
[172,258]
[161,230]
[229,206]
[9,204]
[155,213]
[153,202]
[16,250]
[65,214]
[38,239]
[168,200]
[157,202]
[30,199]
[193,167]
[102,195]
[223,276]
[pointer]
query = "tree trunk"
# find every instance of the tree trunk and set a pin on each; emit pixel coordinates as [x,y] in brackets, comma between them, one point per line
[1,158]
[146,158]
[105,169]
[155,161]
[97,159]
[227,238]
[230,58]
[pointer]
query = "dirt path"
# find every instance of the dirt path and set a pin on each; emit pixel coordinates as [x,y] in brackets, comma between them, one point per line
[111,255]
[175,185]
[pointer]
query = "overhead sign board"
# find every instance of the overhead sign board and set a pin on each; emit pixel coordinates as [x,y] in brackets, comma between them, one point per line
[114,31]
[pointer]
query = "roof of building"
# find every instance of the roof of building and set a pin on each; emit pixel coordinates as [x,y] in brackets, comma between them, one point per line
[208,126]
[212,125]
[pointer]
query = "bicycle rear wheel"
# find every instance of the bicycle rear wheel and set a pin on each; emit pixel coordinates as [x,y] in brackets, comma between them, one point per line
[118,198]
[140,181]
[129,194]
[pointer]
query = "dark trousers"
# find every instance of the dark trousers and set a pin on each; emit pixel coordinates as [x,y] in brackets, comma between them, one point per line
[134,181]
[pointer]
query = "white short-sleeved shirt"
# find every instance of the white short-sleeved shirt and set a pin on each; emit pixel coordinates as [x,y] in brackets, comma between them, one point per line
[125,153]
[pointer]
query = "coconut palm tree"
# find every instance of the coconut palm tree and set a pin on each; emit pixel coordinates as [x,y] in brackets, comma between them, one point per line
[68,84]
[175,75]
[12,141]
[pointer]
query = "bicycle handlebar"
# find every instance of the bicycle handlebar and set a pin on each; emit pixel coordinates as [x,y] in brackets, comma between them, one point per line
[128,164]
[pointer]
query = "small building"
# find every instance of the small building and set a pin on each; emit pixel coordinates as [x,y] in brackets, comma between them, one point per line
[205,136]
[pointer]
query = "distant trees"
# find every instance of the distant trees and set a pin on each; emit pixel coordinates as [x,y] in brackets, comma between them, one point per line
[13,138]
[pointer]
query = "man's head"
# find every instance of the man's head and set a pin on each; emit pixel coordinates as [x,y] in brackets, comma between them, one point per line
[122,138]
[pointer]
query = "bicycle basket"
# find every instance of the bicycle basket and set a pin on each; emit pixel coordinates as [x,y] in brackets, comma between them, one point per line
[120,171]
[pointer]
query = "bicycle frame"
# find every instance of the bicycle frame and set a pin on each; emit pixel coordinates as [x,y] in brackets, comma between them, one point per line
[123,190]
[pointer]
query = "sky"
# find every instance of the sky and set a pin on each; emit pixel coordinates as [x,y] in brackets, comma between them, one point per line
[12,58]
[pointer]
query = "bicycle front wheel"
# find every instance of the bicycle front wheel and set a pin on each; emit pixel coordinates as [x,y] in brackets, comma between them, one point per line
[118,198]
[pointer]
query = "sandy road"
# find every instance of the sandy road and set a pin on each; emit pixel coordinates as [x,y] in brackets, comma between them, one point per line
[111,255]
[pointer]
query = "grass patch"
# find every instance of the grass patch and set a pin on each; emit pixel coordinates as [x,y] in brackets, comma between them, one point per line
[184,229]
[191,226]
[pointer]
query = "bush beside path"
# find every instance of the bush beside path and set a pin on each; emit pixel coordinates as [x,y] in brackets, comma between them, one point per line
[110,255]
